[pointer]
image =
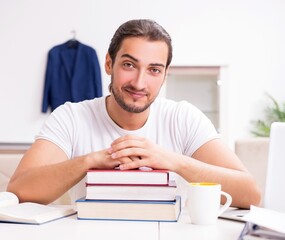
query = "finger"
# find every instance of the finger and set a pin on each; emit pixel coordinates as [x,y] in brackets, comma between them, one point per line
[126,144]
[123,160]
[126,138]
[135,158]
[128,152]
[117,162]
[133,165]
[110,165]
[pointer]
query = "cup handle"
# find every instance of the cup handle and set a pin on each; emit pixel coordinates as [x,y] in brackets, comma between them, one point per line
[227,204]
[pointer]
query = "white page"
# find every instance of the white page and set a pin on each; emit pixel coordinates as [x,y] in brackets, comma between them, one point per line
[33,213]
[27,210]
[7,199]
[267,218]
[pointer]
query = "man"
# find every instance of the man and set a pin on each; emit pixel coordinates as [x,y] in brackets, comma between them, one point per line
[130,128]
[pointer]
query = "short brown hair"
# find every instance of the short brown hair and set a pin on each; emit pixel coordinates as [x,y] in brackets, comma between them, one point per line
[146,28]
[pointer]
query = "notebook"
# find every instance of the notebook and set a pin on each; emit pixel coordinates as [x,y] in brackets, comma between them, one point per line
[274,197]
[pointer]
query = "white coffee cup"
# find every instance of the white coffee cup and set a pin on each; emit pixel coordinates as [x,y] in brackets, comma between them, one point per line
[203,202]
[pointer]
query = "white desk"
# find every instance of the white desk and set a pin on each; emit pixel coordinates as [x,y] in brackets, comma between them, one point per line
[72,229]
[223,230]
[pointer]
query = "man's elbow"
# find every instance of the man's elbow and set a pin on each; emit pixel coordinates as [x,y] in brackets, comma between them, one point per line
[251,196]
[256,196]
[12,187]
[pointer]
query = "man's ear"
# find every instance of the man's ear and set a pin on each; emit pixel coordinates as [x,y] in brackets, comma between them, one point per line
[108,64]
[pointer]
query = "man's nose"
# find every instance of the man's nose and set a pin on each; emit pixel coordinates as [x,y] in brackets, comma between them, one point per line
[140,80]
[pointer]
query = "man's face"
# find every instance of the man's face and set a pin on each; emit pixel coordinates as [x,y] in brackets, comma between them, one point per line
[138,73]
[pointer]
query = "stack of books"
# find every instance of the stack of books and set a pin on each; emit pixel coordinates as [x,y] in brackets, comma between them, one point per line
[139,195]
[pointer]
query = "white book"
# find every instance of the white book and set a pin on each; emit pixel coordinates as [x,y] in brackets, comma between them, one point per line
[132,192]
[31,213]
[129,210]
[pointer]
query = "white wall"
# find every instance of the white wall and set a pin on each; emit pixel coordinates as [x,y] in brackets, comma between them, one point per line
[247,36]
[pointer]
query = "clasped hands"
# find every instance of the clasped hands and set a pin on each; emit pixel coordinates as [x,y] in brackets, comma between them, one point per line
[131,152]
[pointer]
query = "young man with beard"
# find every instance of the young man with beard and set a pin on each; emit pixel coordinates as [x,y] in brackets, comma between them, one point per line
[129,129]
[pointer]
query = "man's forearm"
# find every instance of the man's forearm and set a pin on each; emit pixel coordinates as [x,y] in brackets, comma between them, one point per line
[44,184]
[239,184]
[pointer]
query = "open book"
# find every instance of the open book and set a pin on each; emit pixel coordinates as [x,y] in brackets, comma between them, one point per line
[12,211]
[262,223]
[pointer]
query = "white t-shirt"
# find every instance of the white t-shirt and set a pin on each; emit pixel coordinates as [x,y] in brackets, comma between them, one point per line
[84,127]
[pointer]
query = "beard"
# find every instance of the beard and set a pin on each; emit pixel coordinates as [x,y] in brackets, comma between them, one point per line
[131,108]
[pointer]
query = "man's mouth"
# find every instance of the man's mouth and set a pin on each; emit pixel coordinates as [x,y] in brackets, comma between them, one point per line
[135,94]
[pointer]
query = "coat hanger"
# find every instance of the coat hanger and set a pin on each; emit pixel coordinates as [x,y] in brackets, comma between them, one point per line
[73,43]
[73,33]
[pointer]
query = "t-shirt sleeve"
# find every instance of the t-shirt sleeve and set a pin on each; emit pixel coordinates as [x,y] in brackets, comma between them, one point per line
[58,129]
[197,128]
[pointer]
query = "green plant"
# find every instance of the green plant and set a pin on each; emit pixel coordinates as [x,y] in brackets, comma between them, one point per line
[273,113]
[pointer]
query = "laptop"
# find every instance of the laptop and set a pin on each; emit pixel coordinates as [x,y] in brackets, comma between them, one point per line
[274,188]
[274,196]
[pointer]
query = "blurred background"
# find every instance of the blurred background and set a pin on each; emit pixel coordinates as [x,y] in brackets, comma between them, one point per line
[227,55]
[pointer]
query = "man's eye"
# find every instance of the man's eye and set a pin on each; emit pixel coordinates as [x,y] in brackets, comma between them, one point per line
[128,65]
[155,70]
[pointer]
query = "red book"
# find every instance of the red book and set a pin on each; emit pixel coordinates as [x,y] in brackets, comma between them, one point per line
[144,176]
